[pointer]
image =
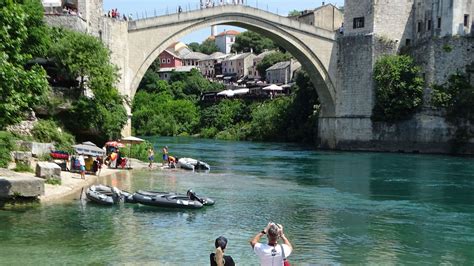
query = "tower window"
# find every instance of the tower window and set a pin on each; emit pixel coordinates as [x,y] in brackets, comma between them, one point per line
[429,25]
[466,20]
[439,23]
[359,22]
[420,25]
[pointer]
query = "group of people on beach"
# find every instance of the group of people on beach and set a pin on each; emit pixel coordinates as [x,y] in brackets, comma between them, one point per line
[269,254]
[167,159]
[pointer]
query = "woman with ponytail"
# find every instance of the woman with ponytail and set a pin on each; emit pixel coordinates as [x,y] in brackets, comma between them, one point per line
[218,258]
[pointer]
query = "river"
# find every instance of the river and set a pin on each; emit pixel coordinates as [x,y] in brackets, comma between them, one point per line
[336,208]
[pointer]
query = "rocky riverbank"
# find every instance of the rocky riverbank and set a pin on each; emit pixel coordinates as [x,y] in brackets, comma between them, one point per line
[28,185]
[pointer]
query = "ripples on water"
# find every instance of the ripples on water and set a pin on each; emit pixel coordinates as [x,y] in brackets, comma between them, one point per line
[337,208]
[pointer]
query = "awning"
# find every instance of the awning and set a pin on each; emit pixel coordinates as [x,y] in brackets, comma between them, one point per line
[227,78]
[219,76]
[88,150]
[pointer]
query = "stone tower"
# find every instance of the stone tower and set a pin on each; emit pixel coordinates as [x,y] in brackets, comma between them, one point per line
[91,11]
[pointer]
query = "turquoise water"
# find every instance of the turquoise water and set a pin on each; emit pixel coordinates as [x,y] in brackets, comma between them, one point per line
[336,207]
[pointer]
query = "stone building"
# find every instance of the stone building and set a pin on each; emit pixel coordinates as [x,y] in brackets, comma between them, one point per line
[326,16]
[253,72]
[238,65]
[208,64]
[169,59]
[225,40]
[282,72]
[406,22]
[193,58]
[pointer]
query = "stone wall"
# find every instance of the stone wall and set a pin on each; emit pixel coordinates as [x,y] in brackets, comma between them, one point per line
[427,131]
[70,22]
[442,57]
[358,8]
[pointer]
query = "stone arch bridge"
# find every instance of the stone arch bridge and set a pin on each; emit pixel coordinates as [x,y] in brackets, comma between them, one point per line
[136,44]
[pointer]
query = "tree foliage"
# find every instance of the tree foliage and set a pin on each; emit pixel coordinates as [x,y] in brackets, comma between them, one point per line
[159,114]
[20,89]
[457,97]
[398,88]
[293,13]
[7,145]
[271,59]
[250,40]
[209,46]
[85,57]
[49,131]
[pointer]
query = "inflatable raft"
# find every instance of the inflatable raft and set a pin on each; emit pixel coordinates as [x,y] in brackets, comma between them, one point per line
[104,195]
[171,200]
[193,164]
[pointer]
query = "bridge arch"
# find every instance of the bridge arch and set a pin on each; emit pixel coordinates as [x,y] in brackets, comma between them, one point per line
[311,46]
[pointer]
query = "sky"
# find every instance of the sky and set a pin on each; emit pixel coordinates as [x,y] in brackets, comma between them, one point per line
[149,8]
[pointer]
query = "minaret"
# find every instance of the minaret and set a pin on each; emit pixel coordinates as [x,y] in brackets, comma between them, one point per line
[213,30]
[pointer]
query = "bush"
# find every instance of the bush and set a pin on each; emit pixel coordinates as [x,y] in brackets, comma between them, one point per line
[22,167]
[49,131]
[398,88]
[7,145]
[53,181]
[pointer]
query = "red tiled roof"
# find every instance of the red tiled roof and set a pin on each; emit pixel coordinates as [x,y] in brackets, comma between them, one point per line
[229,32]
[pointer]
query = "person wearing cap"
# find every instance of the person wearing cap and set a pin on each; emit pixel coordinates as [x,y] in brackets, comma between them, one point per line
[271,253]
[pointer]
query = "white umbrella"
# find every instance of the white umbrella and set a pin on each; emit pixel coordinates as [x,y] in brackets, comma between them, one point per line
[241,91]
[273,87]
[228,93]
[131,140]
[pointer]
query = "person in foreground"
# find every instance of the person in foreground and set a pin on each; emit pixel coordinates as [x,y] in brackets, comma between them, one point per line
[271,253]
[218,258]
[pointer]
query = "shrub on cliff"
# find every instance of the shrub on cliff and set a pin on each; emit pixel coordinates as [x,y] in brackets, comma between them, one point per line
[6,146]
[48,131]
[398,88]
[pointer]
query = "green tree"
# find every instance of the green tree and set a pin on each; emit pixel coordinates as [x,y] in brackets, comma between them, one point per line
[398,88]
[303,112]
[271,59]
[20,89]
[293,13]
[457,98]
[250,40]
[194,46]
[209,46]
[39,35]
[86,58]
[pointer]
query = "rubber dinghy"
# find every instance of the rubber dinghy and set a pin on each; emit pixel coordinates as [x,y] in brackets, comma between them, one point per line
[193,164]
[107,195]
[171,200]
[104,195]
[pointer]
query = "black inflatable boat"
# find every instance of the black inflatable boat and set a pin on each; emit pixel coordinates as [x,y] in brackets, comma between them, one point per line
[171,200]
[104,195]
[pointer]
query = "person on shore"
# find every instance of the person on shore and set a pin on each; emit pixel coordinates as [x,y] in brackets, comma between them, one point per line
[165,155]
[271,253]
[151,157]
[218,258]
[82,166]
